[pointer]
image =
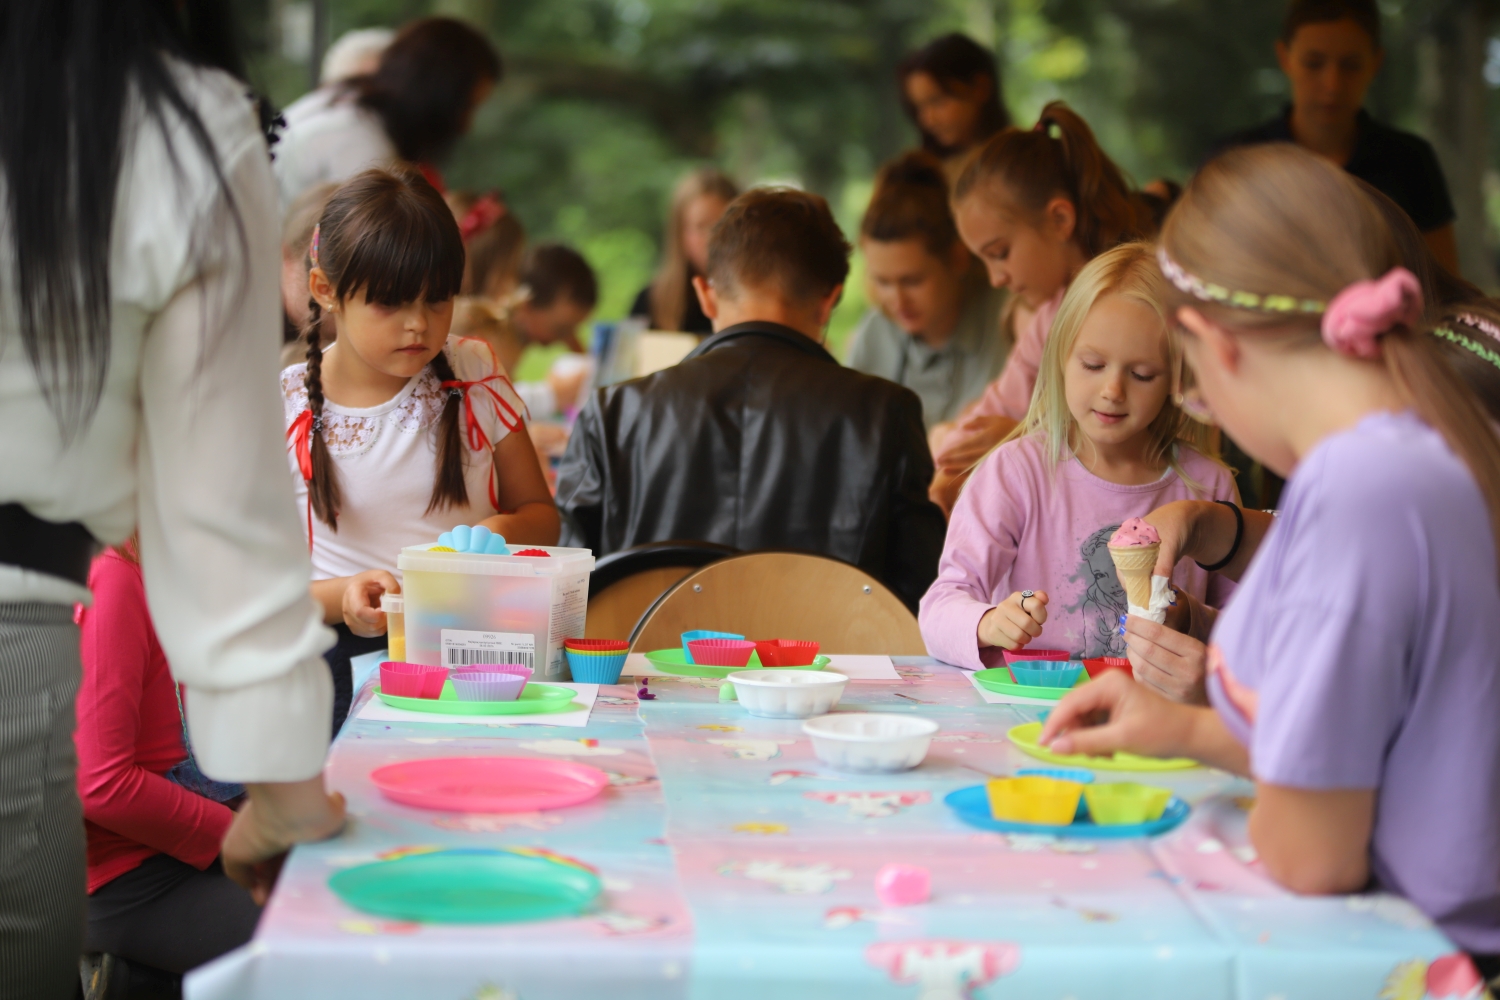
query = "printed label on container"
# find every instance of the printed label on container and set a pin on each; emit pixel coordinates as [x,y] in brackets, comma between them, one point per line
[465,649]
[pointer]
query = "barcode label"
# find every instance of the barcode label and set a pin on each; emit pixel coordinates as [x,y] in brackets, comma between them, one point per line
[469,657]
[463,648]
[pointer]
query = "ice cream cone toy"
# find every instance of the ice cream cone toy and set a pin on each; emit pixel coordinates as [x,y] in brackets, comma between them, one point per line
[1134,548]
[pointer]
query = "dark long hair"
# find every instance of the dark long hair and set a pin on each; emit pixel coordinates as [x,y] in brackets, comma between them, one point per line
[387,235]
[68,71]
[425,83]
[950,59]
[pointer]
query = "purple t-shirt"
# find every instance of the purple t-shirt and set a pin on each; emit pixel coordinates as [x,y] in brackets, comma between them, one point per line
[1369,625]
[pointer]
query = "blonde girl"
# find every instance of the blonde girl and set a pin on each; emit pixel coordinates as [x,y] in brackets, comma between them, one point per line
[1353,675]
[1103,442]
[698,201]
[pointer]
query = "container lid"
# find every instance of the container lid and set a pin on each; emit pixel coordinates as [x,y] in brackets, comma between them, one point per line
[561,561]
[393,604]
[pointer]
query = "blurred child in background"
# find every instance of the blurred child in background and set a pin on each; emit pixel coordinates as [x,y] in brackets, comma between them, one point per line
[668,303]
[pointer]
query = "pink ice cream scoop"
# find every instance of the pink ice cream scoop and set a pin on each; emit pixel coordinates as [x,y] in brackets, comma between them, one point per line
[1134,532]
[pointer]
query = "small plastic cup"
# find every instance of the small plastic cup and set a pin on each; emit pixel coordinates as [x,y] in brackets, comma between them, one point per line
[1046,673]
[696,634]
[412,680]
[1098,665]
[1125,803]
[595,668]
[488,685]
[1044,801]
[721,652]
[786,652]
[1021,655]
[394,606]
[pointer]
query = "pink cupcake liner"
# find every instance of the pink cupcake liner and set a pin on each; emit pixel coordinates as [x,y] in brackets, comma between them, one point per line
[412,680]
[721,652]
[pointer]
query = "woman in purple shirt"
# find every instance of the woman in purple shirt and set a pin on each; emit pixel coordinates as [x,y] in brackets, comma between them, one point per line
[1353,673]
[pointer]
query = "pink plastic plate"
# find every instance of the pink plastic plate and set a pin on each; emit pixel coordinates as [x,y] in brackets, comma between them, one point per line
[489,784]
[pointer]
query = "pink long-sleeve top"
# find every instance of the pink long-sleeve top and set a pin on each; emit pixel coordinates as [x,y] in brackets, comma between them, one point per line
[1021,526]
[130,734]
[1010,394]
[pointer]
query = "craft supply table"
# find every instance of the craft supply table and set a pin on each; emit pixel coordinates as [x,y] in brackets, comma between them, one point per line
[736,866]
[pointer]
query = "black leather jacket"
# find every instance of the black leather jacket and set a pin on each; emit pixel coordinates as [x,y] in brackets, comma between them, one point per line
[759,439]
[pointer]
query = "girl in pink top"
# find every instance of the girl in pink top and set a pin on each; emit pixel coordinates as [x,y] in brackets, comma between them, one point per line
[1103,442]
[1035,206]
[157,894]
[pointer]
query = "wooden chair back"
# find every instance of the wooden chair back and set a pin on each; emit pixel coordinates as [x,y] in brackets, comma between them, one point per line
[784,595]
[626,584]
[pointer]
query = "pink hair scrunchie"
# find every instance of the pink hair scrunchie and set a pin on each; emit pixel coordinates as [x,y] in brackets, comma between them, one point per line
[1357,316]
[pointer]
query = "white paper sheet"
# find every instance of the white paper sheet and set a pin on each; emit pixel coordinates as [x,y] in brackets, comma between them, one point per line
[995,698]
[376,710]
[855,667]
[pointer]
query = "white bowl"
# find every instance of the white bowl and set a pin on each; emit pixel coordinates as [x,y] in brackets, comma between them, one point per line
[782,693]
[870,742]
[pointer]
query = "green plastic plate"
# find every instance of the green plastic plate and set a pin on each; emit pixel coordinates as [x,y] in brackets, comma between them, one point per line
[1024,737]
[998,680]
[536,699]
[477,886]
[674,661]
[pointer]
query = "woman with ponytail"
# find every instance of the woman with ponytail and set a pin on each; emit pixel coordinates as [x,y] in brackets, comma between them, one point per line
[1352,675]
[1034,206]
[397,432]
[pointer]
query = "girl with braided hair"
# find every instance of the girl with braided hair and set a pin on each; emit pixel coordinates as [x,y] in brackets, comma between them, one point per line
[397,431]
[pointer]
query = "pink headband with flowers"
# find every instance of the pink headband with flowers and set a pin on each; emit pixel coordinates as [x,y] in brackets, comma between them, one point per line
[1352,323]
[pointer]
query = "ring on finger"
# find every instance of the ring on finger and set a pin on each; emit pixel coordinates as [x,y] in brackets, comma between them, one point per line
[1025,594]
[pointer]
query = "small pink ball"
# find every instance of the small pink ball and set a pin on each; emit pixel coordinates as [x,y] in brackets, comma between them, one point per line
[903,885]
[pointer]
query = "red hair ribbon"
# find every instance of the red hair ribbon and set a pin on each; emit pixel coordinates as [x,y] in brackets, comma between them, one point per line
[300,434]
[478,439]
[485,212]
[432,176]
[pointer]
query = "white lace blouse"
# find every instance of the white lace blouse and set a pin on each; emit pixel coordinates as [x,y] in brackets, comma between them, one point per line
[386,457]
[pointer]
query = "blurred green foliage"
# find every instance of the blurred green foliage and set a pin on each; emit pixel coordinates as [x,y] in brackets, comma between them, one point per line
[606,102]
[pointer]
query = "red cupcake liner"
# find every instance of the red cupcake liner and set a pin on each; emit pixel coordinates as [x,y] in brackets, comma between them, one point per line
[1097,665]
[786,652]
[533,552]
[721,652]
[596,645]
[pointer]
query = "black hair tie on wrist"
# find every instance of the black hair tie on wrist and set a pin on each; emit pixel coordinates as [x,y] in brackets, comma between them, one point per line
[1239,536]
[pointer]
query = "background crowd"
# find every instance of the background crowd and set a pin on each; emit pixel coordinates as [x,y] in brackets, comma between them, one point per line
[1045,350]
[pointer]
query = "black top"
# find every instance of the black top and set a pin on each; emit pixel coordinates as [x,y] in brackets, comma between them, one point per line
[1398,163]
[693,320]
[758,440]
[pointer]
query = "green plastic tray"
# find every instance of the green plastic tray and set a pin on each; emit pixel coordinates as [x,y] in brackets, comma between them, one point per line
[674,661]
[536,699]
[998,680]
[1024,737]
[471,886]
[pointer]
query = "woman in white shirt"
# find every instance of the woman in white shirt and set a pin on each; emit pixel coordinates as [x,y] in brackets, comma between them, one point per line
[138,317]
[414,107]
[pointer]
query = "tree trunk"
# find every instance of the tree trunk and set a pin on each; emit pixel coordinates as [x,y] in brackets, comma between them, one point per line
[1453,96]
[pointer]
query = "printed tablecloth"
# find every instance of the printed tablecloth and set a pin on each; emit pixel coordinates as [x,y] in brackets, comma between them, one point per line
[736,866]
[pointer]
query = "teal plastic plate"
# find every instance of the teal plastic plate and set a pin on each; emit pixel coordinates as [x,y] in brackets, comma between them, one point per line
[536,699]
[973,807]
[674,661]
[468,886]
[998,680]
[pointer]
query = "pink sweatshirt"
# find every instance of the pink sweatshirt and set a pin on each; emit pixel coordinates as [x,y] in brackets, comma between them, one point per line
[1010,394]
[129,735]
[1018,526]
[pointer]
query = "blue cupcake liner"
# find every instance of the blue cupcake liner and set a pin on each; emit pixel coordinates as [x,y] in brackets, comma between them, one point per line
[596,669]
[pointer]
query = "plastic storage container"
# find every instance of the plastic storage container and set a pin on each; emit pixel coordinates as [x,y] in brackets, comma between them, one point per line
[394,606]
[465,609]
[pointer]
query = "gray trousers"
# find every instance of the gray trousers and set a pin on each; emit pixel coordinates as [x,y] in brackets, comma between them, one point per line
[42,873]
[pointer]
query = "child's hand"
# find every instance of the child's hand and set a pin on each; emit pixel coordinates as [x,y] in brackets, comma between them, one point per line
[362,602]
[1116,713]
[1015,621]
